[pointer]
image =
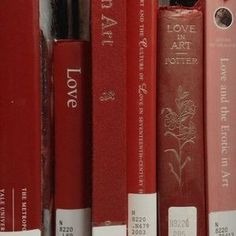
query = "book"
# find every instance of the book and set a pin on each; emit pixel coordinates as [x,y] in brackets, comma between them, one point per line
[47,161]
[109,197]
[71,92]
[181,156]
[25,140]
[220,42]
[141,117]
[72,107]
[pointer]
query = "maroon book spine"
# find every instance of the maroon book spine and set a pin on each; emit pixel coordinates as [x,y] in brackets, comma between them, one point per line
[141,116]
[180,122]
[21,107]
[71,73]
[109,196]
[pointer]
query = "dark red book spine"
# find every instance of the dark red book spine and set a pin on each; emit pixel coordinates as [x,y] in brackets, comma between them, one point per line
[141,116]
[20,118]
[71,72]
[109,196]
[180,122]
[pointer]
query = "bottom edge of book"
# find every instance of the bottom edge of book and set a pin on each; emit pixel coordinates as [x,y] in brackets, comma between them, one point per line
[35,232]
[222,223]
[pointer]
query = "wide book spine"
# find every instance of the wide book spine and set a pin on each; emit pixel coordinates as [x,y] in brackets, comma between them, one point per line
[141,116]
[109,198]
[181,184]
[220,42]
[71,74]
[21,169]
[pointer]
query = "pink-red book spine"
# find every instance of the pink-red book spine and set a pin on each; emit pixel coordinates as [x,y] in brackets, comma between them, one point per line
[23,117]
[109,198]
[220,43]
[141,116]
[181,160]
[71,73]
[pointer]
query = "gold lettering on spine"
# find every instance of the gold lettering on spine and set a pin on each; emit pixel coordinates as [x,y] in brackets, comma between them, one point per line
[181,45]
[142,90]
[106,4]
[72,87]
[107,23]
[2,210]
[24,209]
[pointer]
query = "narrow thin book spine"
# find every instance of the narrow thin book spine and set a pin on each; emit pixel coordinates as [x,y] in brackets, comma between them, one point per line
[180,122]
[109,198]
[220,42]
[46,135]
[71,74]
[141,116]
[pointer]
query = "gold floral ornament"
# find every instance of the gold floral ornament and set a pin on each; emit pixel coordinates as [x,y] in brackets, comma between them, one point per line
[179,125]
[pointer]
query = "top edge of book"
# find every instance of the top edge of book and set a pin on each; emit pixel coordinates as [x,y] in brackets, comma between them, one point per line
[181,4]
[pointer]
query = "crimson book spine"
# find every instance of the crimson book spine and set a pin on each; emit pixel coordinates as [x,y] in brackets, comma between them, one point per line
[23,169]
[109,198]
[220,42]
[181,182]
[141,117]
[71,101]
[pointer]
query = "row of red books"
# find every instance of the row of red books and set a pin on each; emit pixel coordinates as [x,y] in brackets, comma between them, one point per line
[131,134]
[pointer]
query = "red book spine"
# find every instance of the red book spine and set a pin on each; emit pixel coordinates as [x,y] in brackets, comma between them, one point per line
[141,116]
[109,196]
[180,122]
[220,41]
[21,168]
[71,92]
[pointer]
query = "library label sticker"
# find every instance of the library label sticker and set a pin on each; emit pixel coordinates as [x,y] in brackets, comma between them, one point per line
[222,223]
[73,222]
[35,232]
[113,230]
[182,221]
[142,214]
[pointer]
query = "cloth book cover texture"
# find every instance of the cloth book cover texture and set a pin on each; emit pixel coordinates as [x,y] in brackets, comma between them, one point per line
[109,198]
[180,144]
